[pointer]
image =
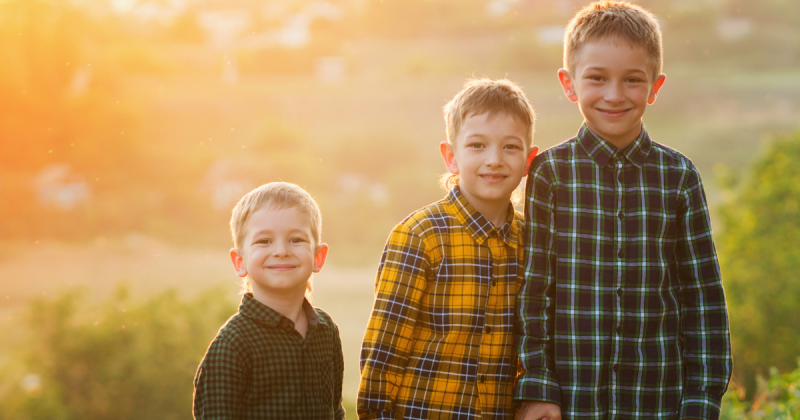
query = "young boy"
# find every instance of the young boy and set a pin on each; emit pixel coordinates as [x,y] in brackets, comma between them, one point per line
[622,310]
[440,343]
[278,357]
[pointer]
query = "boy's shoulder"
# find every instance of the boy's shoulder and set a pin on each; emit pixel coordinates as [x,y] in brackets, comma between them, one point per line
[431,219]
[236,329]
[239,329]
[326,320]
[670,157]
[660,157]
[433,224]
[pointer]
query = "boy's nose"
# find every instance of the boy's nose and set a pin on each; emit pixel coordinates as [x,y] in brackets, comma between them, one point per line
[494,157]
[614,93]
[280,249]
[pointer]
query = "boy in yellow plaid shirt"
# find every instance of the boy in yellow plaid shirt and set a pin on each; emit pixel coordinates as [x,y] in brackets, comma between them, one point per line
[440,341]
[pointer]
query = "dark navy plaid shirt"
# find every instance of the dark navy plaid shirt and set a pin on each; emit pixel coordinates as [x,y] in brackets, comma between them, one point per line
[622,314]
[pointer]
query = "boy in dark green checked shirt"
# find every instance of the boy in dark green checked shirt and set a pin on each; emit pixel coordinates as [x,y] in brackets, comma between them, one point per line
[622,312]
[278,357]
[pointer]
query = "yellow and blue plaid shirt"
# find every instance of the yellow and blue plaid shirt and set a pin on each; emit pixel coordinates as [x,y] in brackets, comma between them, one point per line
[440,341]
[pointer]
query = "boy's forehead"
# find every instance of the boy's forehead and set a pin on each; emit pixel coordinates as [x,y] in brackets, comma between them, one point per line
[481,118]
[277,218]
[609,50]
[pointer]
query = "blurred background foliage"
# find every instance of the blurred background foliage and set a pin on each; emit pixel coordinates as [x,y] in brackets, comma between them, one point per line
[129,128]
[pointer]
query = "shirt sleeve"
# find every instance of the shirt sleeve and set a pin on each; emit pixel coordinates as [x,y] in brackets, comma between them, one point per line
[537,380]
[221,382]
[338,372]
[388,339]
[704,315]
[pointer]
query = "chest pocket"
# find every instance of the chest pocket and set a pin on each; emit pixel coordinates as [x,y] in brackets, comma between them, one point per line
[456,294]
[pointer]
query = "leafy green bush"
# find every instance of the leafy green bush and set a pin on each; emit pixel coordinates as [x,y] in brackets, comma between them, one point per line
[778,399]
[760,258]
[121,359]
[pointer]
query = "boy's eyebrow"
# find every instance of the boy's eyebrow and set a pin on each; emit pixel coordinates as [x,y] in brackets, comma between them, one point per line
[291,230]
[597,68]
[482,135]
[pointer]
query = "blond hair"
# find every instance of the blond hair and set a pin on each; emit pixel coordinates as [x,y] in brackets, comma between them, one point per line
[276,196]
[480,96]
[618,20]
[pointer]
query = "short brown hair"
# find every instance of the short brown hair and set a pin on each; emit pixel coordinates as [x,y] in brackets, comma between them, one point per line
[486,95]
[616,19]
[277,196]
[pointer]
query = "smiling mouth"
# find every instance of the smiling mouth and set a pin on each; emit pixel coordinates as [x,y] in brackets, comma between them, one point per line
[281,267]
[493,178]
[613,113]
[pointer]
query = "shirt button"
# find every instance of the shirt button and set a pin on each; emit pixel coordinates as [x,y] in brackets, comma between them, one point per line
[616,367]
[308,388]
[619,291]
[621,253]
[621,215]
[483,378]
[619,329]
[494,282]
[487,329]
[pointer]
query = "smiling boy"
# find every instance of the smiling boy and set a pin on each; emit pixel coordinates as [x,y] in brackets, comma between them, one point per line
[440,342]
[622,312]
[278,357]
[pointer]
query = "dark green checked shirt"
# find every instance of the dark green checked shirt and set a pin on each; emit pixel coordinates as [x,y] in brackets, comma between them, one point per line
[260,367]
[622,313]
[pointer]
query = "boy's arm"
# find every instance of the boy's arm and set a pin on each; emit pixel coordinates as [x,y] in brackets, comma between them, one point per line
[537,381]
[338,375]
[220,383]
[704,315]
[388,338]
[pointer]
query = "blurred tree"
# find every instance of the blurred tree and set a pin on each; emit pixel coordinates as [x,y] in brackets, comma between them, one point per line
[62,122]
[760,259]
[123,359]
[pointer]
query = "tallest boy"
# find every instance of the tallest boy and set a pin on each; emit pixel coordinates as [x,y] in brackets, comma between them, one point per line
[622,313]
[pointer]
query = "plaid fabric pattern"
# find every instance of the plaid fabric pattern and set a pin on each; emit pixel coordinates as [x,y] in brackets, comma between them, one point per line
[260,367]
[622,311]
[439,344]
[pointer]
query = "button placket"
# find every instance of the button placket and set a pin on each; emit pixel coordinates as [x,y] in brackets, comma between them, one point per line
[620,272]
[491,244]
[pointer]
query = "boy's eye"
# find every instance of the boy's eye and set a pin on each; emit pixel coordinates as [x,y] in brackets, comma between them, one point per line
[594,77]
[512,147]
[634,80]
[296,240]
[264,241]
[475,145]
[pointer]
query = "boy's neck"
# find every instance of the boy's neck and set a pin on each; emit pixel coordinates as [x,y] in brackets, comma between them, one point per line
[494,212]
[289,305]
[620,143]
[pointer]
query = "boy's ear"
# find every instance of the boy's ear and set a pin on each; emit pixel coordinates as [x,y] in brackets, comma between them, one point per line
[656,87]
[449,157]
[238,263]
[532,155]
[566,84]
[319,257]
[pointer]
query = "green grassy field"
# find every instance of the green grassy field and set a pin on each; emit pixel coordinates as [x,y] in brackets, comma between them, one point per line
[391,101]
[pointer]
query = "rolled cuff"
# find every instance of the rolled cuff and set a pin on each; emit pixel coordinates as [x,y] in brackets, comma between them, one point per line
[537,385]
[700,405]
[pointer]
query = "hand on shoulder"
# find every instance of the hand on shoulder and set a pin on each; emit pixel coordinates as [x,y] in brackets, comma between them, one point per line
[539,410]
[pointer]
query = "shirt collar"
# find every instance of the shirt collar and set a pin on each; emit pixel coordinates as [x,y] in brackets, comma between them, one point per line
[253,309]
[602,151]
[478,226]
